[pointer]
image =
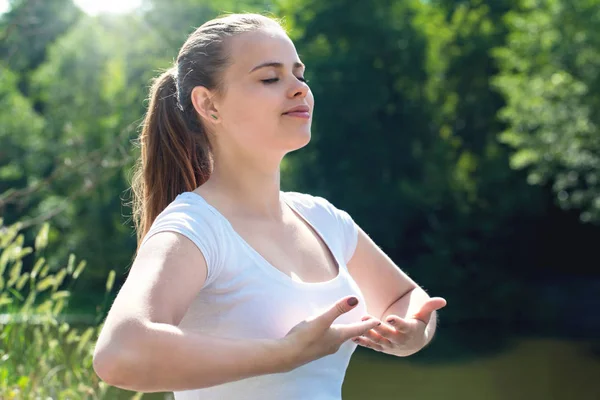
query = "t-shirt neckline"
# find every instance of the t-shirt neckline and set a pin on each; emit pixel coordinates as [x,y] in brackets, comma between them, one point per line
[266,265]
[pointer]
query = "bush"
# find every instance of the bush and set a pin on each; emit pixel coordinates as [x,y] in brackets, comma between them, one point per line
[41,355]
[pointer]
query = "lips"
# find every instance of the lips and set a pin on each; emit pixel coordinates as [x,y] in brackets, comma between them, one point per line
[298,109]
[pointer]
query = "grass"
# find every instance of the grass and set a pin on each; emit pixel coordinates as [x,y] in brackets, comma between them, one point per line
[41,355]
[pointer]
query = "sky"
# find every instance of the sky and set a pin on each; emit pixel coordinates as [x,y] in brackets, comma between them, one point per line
[94,7]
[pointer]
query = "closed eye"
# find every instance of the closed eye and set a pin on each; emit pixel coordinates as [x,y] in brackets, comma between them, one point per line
[273,80]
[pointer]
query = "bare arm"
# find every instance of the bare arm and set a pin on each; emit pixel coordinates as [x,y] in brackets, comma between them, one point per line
[140,346]
[409,305]
[163,358]
[390,292]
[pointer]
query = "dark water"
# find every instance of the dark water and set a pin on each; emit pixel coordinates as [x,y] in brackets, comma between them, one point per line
[527,369]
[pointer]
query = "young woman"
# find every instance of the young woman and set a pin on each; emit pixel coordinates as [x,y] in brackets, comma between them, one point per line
[239,290]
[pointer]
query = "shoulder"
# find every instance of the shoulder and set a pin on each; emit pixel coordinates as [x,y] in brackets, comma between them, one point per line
[309,201]
[319,208]
[336,222]
[188,214]
[190,204]
[313,203]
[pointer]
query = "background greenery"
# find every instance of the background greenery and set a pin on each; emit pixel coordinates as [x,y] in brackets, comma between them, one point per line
[462,135]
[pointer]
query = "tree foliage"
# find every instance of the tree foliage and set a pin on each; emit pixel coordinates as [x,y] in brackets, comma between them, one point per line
[443,127]
[549,77]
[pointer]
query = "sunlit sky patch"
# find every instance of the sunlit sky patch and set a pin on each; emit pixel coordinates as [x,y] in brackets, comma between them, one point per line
[95,7]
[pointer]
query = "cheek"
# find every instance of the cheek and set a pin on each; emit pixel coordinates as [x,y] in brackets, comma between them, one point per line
[252,112]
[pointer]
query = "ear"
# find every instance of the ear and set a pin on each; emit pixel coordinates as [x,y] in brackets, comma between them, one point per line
[202,99]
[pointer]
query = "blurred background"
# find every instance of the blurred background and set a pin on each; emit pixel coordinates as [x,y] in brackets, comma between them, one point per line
[462,135]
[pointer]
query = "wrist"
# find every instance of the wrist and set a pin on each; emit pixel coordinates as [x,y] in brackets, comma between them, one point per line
[283,353]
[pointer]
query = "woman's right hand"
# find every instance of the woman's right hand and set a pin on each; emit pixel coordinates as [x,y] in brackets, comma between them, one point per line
[317,336]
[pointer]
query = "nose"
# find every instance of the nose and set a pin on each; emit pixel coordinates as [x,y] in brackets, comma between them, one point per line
[298,89]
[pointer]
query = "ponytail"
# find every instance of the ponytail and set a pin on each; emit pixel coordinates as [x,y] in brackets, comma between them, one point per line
[175,154]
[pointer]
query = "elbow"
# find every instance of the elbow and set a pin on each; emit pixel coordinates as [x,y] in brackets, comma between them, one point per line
[117,362]
[122,372]
[112,368]
[104,366]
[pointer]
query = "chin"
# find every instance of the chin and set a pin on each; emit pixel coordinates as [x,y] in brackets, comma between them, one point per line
[299,140]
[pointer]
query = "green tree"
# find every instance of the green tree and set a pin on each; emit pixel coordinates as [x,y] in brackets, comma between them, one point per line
[549,77]
[405,139]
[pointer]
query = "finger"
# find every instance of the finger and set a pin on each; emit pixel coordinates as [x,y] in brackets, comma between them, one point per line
[376,338]
[369,317]
[431,305]
[355,329]
[340,307]
[387,335]
[365,342]
[391,334]
[400,324]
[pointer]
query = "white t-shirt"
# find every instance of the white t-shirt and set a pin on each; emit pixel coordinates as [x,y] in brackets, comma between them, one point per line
[244,296]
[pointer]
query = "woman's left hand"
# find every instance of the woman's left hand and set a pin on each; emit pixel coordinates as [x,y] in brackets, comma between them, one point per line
[401,336]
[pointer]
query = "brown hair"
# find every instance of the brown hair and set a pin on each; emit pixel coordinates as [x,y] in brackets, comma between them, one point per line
[175,148]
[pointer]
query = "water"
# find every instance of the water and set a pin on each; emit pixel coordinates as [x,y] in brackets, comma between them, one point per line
[528,369]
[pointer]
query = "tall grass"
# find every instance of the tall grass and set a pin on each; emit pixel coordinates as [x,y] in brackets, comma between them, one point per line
[41,355]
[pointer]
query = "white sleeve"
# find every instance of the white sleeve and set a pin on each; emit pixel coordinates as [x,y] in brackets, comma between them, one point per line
[200,226]
[347,229]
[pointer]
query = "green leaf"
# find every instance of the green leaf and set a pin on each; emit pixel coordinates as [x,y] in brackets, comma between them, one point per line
[111,280]
[524,158]
[16,294]
[71,263]
[84,339]
[45,270]
[58,307]
[22,280]
[41,240]
[61,294]
[36,268]
[58,279]
[23,382]
[45,307]
[5,300]
[79,269]
[15,273]
[45,283]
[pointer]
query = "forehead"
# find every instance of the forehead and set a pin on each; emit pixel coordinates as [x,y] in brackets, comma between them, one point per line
[250,49]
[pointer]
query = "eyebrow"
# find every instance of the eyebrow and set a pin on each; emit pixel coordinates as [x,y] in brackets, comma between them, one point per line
[276,65]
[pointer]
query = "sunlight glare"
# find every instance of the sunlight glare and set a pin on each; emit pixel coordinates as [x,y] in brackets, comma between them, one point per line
[94,7]
[4,6]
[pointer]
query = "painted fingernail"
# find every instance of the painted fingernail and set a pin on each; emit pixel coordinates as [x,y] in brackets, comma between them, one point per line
[352,301]
[379,324]
[391,321]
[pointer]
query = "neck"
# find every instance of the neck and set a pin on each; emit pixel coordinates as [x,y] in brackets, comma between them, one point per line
[250,188]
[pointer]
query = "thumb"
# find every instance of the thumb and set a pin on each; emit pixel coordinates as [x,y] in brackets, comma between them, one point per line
[434,303]
[340,307]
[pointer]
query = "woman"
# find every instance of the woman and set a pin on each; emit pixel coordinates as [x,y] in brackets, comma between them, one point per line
[239,290]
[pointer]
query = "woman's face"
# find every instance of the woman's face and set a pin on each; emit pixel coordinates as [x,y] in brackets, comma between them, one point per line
[263,82]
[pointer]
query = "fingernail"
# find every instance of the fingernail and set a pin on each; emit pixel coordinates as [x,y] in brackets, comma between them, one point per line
[391,321]
[356,340]
[352,301]
[365,318]
[379,324]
